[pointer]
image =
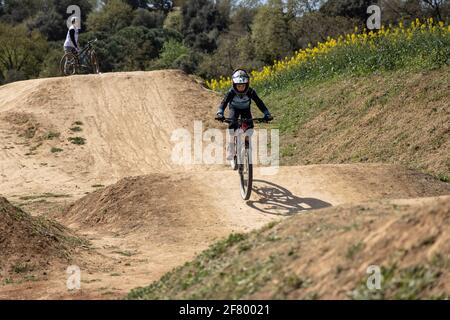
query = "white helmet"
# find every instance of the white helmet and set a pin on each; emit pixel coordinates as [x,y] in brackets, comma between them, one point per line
[240,76]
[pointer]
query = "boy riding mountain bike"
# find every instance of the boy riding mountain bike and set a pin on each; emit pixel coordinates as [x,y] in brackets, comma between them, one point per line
[239,98]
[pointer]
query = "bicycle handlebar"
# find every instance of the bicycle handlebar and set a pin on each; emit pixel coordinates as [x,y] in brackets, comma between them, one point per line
[231,120]
[87,46]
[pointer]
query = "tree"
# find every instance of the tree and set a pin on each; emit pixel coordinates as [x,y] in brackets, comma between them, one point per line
[174,20]
[436,7]
[114,16]
[16,11]
[135,4]
[21,53]
[203,20]
[171,51]
[270,32]
[50,24]
[145,18]
[60,6]
[131,48]
[347,8]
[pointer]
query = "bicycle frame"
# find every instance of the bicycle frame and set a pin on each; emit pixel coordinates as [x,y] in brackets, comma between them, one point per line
[84,51]
[242,125]
[242,159]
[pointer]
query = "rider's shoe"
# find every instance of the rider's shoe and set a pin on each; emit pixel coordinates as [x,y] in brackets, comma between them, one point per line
[230,151]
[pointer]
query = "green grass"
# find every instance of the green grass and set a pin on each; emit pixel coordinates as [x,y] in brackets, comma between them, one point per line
[354,249]
[401,284]
[125,253]
[50,135]
[192,273]
[423,52]
[44,195]
[22,268]
[76,129]
[55,150]
[349,86]
[77,140]
[311,114]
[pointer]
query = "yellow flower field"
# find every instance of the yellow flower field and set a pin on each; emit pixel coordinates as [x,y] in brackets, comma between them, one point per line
[391,33]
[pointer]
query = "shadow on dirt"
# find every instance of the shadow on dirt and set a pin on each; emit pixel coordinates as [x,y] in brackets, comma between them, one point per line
[277,200]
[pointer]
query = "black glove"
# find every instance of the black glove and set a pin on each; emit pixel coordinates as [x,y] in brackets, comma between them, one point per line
[268,117]
[219,116]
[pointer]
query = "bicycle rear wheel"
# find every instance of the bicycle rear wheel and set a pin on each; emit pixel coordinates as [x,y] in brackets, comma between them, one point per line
[94,63]
[68,64]
[246,172]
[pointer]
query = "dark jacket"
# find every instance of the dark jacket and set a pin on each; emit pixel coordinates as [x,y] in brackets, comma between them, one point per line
[242,101]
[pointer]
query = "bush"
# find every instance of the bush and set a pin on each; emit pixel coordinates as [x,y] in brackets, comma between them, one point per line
[188,62]
[114,16]
[50,65]
[174,20]
[172,50]
[145,18]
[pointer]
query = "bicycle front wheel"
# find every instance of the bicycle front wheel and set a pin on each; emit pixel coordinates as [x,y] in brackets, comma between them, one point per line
[246,172]
[68,64]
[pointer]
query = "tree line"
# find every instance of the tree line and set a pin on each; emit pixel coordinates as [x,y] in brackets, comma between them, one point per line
[209,38]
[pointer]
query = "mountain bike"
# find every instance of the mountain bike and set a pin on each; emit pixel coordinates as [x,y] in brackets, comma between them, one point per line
[72,63]
[242,159]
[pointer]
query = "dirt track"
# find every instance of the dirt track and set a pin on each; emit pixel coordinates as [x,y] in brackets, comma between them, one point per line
[142,227]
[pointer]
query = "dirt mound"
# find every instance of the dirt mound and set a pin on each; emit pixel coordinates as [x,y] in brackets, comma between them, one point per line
[167,207]
[400,117]
[94,129]
[325,254]
[29,245]
[68,137]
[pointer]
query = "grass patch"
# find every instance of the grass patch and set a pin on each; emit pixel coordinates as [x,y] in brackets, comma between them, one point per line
[55,150]
[51,135]
[34,148]
[125,253]
[354,249]
[77,140]
[220,247]
[22,268]
[401,284]
[44,195]
[76,129]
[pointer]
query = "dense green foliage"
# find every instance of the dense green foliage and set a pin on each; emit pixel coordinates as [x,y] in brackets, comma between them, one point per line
[206,37]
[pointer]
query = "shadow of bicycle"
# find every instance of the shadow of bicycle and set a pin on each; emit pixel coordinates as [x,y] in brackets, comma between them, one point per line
[277,200]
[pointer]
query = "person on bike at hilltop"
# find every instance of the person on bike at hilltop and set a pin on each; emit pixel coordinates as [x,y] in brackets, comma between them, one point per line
[71,43]
[239,98]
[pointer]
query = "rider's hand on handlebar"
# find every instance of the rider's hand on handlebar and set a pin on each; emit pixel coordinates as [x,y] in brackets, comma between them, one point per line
[219,116]
[268,117]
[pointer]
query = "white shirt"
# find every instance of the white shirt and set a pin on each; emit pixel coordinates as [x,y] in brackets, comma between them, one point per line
[68,42]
